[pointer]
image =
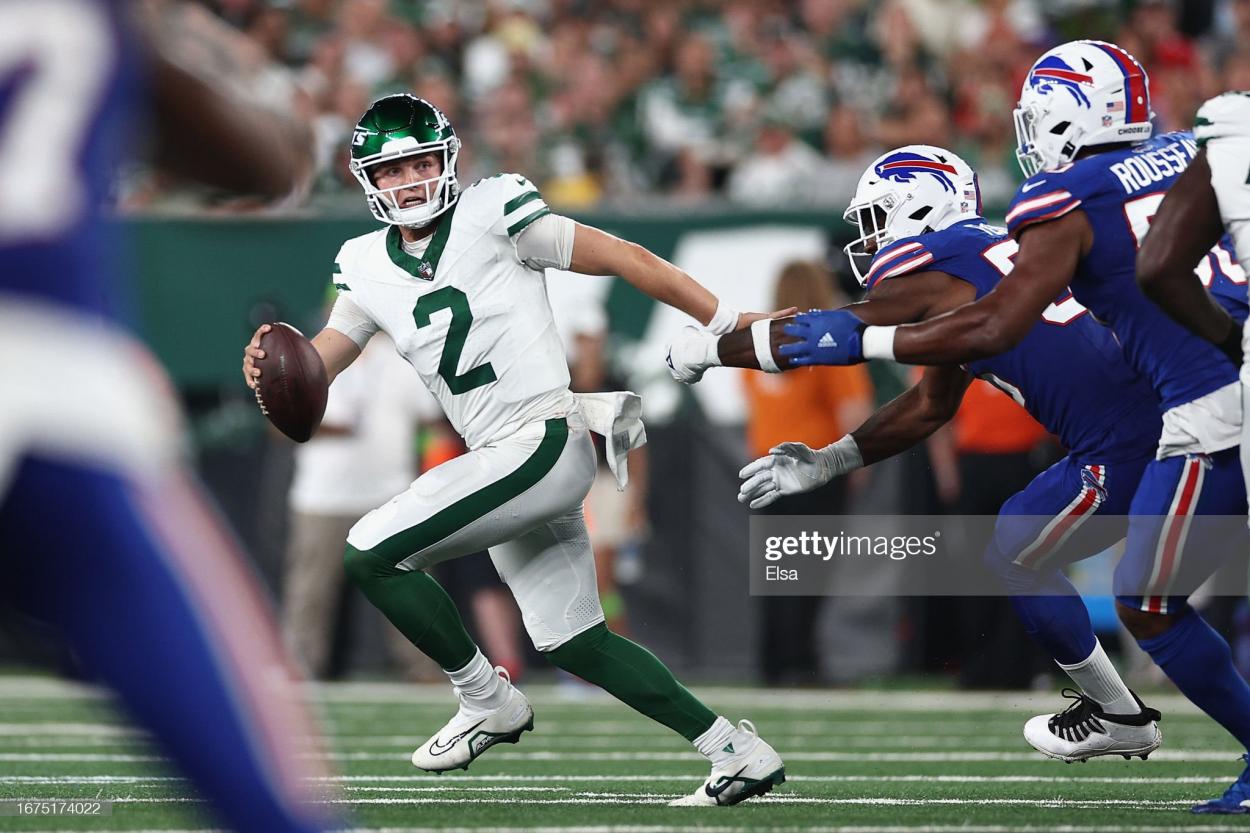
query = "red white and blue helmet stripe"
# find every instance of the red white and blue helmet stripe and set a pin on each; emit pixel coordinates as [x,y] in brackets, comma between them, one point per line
[1136,89]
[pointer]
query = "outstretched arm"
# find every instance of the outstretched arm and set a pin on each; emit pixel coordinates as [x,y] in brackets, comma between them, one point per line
[901,300]
[914,415]
[1185,228]
[596,252]
[793,468]
[1044,266]
[204,131]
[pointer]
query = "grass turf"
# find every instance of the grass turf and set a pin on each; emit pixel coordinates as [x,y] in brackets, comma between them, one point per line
[857,762]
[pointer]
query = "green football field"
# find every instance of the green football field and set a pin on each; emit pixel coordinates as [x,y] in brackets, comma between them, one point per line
[857,762]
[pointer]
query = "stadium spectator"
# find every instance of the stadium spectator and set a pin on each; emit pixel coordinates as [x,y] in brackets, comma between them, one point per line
[362,455]
[780,167]
[813,406]
[600,103]
[847,154]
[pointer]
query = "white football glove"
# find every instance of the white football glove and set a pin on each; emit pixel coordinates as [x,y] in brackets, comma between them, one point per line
[793,468]
[692,352]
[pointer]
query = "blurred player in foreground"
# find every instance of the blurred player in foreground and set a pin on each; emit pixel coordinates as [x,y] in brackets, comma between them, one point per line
[456,279]
[918,213]
[105,533]
[1095,179]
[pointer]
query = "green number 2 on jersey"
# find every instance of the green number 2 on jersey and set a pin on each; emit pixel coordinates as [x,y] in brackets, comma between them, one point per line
[461,317]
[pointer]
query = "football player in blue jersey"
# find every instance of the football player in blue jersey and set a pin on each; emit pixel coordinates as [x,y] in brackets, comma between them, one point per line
[105,534]
[1096,176]
[929,251]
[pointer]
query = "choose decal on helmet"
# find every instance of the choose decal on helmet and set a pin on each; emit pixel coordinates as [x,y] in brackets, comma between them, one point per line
[1082,93]
[906,192]
[404,125]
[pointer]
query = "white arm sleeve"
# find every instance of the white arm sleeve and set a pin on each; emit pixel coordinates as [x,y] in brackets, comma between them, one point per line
[547,243]
[349,319]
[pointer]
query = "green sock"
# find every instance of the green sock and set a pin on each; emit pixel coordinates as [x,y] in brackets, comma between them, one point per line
[636,677]
[416,604]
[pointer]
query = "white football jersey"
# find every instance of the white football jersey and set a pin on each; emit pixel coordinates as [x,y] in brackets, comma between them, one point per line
[468,315]
[1222,126]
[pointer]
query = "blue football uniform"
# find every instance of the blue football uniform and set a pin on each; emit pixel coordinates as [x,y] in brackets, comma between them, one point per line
[104,535]
[1119,192]
[1071,376]
[1197,472]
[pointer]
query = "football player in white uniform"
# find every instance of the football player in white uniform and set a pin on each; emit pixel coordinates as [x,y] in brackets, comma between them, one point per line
[1210,199]
[457,281]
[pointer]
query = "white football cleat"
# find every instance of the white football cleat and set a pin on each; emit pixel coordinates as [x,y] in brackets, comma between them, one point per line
[472,731]
[753,770]
[692,351]
[1083,731]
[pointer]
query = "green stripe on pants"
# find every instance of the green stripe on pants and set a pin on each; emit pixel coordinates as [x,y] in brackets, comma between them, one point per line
[451,519]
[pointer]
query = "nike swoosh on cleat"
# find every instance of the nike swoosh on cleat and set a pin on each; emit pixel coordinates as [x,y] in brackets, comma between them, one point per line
[715,792]
[438,749]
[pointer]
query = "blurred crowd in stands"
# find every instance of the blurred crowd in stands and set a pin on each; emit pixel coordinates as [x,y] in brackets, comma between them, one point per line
[761,103]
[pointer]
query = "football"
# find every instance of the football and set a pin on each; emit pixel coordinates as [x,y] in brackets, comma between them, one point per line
[293,387]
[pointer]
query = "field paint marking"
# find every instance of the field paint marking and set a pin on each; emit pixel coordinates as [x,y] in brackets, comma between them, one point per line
[860,828]
[1190,755]
[588,798]
[37,757]
[44,729]
[38,688]
[364,788]
[1004,741]
[450,781]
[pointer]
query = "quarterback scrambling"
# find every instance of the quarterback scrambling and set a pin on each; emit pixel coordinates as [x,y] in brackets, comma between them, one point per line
[456,280]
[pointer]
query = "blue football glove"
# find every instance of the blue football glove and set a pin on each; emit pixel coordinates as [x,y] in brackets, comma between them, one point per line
[828,337]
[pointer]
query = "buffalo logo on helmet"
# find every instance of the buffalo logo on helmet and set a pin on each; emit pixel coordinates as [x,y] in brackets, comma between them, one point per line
[903,167]
[1053,73]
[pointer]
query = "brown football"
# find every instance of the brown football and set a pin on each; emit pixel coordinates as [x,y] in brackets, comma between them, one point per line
[293,386]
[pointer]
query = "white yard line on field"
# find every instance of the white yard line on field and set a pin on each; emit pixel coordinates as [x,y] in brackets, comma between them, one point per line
[1184,755]
[589,798]
[856,828]
[850,828]
[1190,755]
[40,688]
[450,782]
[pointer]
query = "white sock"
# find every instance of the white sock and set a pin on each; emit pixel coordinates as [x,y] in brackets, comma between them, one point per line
[717,743]
[479,683]
[1098,678]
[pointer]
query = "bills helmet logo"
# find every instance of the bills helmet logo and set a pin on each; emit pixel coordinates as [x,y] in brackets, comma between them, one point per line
[1053,73]
[903,167]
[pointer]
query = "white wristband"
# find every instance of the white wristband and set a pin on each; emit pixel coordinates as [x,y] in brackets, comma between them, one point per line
[761,338]
[841,457]
[724,320]
[878,342]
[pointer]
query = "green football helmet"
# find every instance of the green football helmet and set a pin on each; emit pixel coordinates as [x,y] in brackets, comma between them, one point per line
[404,125]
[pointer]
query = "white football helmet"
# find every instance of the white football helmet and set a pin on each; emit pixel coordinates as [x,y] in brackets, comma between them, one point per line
[392,128]
[1082,93]
[908,191]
